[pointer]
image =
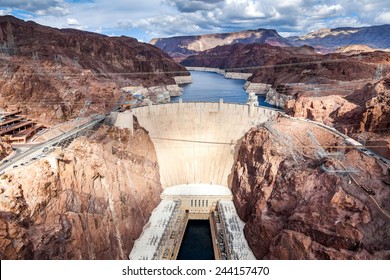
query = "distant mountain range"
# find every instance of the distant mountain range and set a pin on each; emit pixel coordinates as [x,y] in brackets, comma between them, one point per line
[377,37]
[183,46]
[324,40]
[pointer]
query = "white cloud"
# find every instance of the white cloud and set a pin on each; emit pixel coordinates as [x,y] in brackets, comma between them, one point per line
[40,7]
[383,18]
[72,21]
[4,12]
[325,11]
[180,17]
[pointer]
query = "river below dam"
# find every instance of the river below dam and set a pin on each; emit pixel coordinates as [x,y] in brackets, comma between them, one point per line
[210,87]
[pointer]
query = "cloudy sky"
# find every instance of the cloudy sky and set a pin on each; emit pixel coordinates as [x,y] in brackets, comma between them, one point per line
[145,19]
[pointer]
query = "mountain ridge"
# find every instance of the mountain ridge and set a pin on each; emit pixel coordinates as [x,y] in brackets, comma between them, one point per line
[323,40]
[330,39]
[183,46]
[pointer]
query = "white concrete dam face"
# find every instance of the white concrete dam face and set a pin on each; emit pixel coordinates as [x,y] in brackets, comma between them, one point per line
[197,142]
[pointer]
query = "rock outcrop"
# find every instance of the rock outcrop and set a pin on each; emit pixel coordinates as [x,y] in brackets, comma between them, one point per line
[88,202]
[283,199]
[372,111]
[5,149]
[354,49]
[323,109]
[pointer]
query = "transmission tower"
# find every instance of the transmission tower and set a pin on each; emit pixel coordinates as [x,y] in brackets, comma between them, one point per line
[75,61]
[284,140]
[317,92]
[57,62]
[378,72]
[87,104]
[321,153]
[35,58]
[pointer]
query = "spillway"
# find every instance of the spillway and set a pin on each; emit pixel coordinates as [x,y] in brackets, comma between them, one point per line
[197,142]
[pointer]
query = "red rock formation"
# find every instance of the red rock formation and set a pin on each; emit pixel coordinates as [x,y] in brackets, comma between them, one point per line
[295,210]
[5,149]
[324,109]
[92,206]
[373,110]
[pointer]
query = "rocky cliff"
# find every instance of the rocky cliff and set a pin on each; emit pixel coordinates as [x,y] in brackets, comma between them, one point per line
[372,112]
[41,66]
[183,46]
[90,202]
[293,209]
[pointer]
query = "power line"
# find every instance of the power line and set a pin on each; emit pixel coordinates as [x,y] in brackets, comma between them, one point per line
[160,72]
[295,146]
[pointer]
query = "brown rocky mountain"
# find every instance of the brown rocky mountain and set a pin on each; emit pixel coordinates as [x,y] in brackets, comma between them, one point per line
[183,46]
[282,193]
[41,66]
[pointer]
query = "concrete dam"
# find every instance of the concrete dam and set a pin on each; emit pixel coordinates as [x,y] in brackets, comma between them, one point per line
[196,146]
[197,142]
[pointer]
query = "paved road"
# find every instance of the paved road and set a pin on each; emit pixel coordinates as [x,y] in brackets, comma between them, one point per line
[41,150]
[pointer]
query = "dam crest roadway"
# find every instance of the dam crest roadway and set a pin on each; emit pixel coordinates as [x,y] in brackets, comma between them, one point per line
[196,145]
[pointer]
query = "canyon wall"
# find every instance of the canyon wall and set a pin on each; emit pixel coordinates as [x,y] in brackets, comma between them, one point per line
[90,201]
[295,210]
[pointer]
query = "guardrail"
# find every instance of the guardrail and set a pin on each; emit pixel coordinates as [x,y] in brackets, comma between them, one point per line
[206,102]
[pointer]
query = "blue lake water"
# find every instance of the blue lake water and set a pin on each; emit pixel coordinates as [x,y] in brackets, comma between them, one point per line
[197,243]
[210,87]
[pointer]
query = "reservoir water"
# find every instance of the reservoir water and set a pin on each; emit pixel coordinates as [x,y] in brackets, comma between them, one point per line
[197,243]
[210,87]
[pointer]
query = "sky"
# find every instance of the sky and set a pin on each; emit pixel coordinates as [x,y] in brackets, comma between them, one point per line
[146,19]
